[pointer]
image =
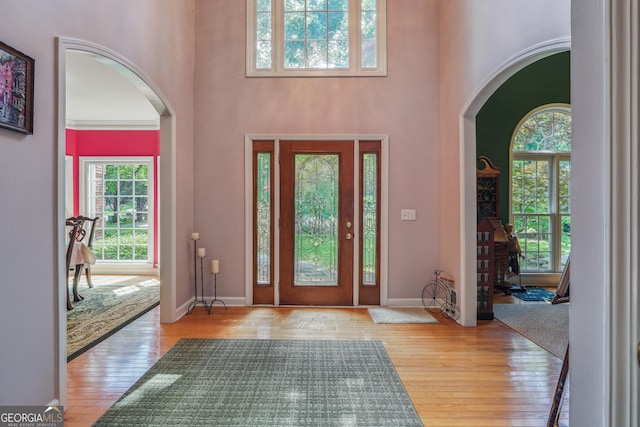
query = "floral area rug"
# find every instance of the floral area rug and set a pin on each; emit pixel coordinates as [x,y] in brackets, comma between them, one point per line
[111,304]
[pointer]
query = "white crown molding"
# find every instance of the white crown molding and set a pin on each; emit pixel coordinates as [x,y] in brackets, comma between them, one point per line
[113,125]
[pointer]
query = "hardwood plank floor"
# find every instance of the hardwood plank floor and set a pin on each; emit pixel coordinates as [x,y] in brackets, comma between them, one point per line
[484,376]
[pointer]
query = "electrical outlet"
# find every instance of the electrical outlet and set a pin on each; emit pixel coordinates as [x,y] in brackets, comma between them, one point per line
[408,215]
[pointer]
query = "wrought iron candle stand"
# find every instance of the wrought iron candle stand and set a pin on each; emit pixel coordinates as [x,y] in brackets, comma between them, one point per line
[197,301]
[215,269]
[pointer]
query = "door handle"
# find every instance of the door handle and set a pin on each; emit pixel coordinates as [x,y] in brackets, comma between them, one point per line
[349,236]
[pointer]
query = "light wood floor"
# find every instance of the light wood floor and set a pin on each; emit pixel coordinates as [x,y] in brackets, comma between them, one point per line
[455,376]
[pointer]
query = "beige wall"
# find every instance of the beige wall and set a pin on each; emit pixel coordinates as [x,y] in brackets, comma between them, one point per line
[478,43]
[404,105]
[440,53]
[155,35]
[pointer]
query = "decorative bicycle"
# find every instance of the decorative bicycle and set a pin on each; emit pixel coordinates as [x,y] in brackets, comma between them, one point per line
[436,295]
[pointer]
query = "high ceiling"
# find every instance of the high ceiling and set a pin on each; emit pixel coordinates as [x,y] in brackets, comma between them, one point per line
[100,97]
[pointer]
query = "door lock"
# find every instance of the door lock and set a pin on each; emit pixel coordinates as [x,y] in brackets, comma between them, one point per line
[348,224]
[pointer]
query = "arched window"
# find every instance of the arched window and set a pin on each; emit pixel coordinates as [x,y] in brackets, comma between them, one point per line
[540,169]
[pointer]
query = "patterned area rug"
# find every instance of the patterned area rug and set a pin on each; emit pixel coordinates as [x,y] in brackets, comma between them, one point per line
[111,304]
[535,294]
[400,315]
[545,324]
[236,382]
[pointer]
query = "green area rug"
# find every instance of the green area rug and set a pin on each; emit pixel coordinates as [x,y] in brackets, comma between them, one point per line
[237,382]
[400,315]
[106,308]
[545,324]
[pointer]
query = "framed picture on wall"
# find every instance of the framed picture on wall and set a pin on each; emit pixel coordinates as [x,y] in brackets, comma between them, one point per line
[16,90]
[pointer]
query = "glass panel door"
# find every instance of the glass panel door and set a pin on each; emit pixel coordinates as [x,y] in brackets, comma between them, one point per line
[316,220]
[369,271]
[316,223]
[263,222]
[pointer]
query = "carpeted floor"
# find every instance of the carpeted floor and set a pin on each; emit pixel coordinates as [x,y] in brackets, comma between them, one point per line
[400,315]
[111,304]
[535,294]
[545,324]
[251,382]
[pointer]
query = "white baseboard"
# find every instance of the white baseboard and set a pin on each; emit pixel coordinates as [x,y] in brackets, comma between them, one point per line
[404,302]
[230,302]
[125,269]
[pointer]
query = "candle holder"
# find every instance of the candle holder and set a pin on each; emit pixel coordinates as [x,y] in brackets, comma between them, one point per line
[197,301]
[215,292]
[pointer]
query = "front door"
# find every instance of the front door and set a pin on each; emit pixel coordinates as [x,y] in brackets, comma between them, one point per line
[316,222]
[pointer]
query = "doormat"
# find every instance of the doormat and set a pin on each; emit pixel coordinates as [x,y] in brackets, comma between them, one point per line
[400,315]
[535,294]
[253,382]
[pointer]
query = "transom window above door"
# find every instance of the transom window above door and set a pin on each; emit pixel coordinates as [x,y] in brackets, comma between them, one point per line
[316,38]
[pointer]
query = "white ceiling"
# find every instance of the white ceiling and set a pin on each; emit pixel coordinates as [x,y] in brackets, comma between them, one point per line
[99,97]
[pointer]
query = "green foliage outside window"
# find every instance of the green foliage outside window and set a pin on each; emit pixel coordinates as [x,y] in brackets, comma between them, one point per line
[316,36]
[548,131]
[294,36]
[120,197]
[540,185]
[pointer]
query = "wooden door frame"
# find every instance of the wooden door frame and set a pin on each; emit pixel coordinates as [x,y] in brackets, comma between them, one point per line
[342,294]
[384,197]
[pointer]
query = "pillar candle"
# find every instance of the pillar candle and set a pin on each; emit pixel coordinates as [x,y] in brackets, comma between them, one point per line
[195,236]
[201,252]
[215,266]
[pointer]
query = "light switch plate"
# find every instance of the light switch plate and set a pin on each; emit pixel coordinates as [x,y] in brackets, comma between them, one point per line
[408,215]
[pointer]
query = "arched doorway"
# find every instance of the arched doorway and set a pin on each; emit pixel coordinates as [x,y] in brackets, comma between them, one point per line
[166,175]
[468,164]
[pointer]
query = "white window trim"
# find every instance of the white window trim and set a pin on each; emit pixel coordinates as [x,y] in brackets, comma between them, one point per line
[277,69]
[553,159]
[132,267]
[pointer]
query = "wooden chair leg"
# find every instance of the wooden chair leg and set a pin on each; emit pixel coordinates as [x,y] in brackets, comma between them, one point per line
[69,305]
[87,271]
[76,279]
